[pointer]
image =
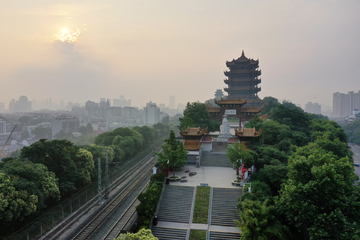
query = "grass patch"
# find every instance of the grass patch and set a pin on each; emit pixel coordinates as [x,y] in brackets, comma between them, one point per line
[201,208]
[197,234]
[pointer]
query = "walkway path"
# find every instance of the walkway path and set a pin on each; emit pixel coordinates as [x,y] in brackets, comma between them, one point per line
[175,220]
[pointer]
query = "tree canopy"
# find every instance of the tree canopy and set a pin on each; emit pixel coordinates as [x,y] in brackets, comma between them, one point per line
[172,154]
[196,115]
[70,165]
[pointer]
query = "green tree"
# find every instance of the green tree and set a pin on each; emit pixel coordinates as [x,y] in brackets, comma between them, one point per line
[127,145]
[269,155]
[147,134]
[85,165]
[353,131]
[63,135]
[258,221]
[14,204]
[172,154]
[320,127]
[274,132]
[119,154]
[62,158]
[142,234]
[271,103]
[273,176]
[292,116]
[200,116]
[186,122]
[237,153]
[39,132]
[35,179]
[256,123]
[320,197]
[165,120]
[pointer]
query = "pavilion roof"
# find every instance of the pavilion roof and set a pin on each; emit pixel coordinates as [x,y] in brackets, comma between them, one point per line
[192,145]
[212,109]
[193,131]
[251,109]
[248,132]
[264,117]
[255,101]
[230,101]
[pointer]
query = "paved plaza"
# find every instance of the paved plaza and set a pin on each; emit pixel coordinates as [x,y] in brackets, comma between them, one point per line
[213,176]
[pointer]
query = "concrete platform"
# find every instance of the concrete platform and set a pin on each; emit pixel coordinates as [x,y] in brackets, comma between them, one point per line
[213,176]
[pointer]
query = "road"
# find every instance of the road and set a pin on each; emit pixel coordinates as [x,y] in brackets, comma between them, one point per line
[356,150]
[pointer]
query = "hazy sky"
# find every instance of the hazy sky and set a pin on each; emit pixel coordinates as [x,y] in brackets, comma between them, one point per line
[151,49]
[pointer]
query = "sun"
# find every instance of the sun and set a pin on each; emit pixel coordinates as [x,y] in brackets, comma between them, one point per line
[68,36]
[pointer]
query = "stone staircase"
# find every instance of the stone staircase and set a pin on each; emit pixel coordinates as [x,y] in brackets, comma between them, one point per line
[224,210]
[210,159]
[224,236]
[169,233]
[176,204]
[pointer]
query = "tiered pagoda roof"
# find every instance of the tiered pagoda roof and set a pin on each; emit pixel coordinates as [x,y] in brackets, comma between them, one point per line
[193,132]
[248,132]
[230,101]
[243,78]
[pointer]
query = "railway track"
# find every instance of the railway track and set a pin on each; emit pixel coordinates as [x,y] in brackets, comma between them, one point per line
[97,220]
[124,221]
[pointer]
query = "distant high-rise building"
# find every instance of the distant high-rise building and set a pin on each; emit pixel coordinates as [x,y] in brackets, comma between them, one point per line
[181,107]
[12,105]
[2,126]
[161,106]
[344,104]
[152,114]
[2,107]
[122,102]
[172,102]
[313,108]
[22,105]
[62,105]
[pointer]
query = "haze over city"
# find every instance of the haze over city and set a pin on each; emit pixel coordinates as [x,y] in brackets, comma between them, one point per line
[149,50]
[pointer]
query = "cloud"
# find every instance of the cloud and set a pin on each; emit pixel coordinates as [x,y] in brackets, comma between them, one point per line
[64,47]
[67,41]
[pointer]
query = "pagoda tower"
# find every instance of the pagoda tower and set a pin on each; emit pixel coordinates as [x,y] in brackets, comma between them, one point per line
[243,79]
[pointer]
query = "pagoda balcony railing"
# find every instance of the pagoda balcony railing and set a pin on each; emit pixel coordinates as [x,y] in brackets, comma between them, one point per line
[252,89]
[248,80]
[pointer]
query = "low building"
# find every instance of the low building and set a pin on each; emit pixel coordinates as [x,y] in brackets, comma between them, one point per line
[152,114]
[66,123]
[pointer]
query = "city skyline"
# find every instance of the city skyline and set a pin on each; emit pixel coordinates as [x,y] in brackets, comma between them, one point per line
[75,52]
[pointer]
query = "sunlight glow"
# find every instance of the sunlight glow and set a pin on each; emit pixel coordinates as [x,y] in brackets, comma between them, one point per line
[68,36]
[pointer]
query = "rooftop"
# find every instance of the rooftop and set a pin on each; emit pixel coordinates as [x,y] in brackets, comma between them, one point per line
[248,132]
[230,101]
[193,131]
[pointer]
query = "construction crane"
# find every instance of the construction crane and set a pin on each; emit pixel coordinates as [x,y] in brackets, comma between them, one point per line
[1,156]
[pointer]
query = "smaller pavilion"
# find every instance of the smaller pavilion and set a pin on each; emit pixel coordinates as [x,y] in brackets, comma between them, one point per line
[192,142]
[246,134]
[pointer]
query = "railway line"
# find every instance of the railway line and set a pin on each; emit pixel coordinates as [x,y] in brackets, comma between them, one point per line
[137,174]
[124,222]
